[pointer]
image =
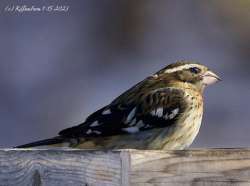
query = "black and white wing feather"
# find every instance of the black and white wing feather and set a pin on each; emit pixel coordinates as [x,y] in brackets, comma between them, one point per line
[125,115]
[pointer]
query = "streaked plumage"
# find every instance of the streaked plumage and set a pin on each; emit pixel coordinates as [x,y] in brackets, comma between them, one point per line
[164,111]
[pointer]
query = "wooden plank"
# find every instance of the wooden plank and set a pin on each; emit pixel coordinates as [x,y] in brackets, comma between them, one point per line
[217,167]
[213,167]
[60,167]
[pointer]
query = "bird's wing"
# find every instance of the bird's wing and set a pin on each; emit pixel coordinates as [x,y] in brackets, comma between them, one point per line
[155,109]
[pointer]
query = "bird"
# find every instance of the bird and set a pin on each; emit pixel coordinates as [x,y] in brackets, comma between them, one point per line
[162,112]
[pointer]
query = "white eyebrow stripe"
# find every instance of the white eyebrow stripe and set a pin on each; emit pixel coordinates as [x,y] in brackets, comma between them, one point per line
[181,68]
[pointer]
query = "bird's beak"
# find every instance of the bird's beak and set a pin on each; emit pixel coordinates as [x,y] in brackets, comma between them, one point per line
[209,78]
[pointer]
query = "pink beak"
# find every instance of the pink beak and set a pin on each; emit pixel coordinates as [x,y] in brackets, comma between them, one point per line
[210,78]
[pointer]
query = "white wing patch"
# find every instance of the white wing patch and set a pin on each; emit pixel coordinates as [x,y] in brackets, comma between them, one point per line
[105,112]
[135,128]
[131,129]
[132,122]
[147,126]
[96,132]
[152,112]
[173,113]
[131,115]
[95,124]
[158,112]
[140,124]
[89,131]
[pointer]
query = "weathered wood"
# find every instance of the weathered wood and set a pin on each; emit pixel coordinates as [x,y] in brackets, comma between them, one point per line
[217,167]
[59,167]
[197,167]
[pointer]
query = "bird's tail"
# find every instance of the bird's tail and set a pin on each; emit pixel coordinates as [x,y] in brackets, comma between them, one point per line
[51,142]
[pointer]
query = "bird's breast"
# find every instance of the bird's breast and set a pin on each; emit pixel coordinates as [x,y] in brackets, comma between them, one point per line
[183,132]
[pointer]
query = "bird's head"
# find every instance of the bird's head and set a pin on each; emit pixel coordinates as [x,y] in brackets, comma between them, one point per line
[188,73]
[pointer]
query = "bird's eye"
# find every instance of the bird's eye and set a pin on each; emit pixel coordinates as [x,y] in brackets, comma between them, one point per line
[195,70]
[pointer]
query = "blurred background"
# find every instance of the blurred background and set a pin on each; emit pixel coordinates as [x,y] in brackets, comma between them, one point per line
[56,68]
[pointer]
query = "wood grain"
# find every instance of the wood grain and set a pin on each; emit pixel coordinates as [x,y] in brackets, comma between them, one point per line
[203,167]
[217,167]
[59,167]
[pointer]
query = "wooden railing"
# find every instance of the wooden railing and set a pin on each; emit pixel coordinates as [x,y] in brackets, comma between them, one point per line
[125,167]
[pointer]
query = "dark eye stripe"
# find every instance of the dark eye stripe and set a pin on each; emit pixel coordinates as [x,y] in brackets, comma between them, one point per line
[195,70]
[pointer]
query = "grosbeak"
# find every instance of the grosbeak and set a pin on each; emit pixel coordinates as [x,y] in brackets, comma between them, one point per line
[164,111]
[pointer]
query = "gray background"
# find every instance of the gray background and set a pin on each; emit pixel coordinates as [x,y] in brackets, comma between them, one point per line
[56,68]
